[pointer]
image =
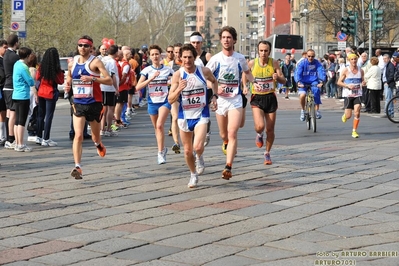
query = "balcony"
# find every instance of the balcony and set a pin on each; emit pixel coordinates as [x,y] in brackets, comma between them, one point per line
[191,4]
[218,9]
[253,6]
[219,19]
[190,14]
[253,18]
[192,23]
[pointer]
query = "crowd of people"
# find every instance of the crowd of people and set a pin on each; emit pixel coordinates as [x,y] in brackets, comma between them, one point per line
[105,85]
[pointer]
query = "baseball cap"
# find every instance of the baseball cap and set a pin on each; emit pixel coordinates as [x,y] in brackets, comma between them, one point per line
[395,54]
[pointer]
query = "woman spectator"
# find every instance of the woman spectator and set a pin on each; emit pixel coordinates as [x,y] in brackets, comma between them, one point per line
[49,75]
[373,80]
[341,66]
[22,81]
[32,63]
[331,86]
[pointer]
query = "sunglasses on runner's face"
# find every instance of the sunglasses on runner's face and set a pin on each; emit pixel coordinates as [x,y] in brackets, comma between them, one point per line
[310,56]
[83,45]
[170,51]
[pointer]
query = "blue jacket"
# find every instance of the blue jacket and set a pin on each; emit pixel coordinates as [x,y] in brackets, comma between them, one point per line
[22,81]
[309,72]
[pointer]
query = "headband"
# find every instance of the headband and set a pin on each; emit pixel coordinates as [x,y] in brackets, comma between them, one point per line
[350,56]
[195,38]
[85,41]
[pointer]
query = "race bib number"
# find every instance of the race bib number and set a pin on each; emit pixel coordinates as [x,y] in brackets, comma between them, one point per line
[157,91]
[82,89]
[192,102]
[230,88]
[266,85]
[356,91]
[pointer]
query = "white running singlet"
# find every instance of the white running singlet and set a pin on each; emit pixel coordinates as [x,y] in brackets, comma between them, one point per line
[157,88]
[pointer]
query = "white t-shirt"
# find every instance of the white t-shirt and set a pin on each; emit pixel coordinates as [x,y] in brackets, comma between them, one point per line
[110,66]
[228,71]
[158,88]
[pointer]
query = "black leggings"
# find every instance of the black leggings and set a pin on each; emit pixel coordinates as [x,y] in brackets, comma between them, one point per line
[21,112]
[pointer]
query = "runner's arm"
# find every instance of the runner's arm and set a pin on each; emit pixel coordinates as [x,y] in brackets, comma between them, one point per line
[177,85]
[278,74]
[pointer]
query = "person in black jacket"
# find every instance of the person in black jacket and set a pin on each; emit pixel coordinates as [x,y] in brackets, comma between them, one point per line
[3,133]
[388,82]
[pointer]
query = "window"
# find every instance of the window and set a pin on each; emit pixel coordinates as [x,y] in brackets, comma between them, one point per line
[241,14]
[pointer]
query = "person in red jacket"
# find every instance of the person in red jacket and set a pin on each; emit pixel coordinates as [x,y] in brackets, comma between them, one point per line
[49,75]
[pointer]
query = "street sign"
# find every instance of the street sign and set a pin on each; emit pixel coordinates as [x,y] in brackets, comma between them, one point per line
[341,36]
[18,10]
[18,26]
[22,34]
[341,45]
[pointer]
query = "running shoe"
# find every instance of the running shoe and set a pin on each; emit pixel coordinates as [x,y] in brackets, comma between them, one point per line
[176,148]
[110,133]
[355,135]
[22,148]
[39,141]
[49,143]
[3,141]
[101,150]
[318,115]
[207,139]
[102,132]
[193,181]
[226,174]
[77,173]
[259,140]
[114,127]
[268,160]
[224,148]
[302,117]
[162,156]
[200,164]
[344,119]
[10,146]
[286,97]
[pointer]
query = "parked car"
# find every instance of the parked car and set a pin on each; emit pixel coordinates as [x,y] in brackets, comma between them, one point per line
[64,66]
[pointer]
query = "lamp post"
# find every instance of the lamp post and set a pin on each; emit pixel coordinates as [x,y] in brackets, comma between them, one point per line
[254,38]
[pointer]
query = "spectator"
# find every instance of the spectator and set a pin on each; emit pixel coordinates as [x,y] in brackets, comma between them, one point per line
[331,86]
[49,75]
[32,124]
[373,80]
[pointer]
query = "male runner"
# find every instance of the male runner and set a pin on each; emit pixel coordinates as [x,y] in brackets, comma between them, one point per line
[351,80]
[227,66]
[189,86]
[264,104]
[85,74]
[170,56]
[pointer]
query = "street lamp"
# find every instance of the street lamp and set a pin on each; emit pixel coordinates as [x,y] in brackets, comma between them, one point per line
[305,14]
[273,23]
[255,38]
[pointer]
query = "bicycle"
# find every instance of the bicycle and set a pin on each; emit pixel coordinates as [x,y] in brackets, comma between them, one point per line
[394,118]
[310,110]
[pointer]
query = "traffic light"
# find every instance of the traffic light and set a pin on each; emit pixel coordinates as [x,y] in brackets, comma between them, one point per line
[349,24]
[378,22]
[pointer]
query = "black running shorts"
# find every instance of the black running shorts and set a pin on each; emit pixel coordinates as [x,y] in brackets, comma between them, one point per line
[267,102]
[91,112]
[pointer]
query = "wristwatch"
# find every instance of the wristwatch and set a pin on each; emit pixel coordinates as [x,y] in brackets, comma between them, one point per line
[94,79]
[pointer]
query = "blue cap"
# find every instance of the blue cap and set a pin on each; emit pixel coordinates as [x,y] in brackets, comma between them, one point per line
[395,54]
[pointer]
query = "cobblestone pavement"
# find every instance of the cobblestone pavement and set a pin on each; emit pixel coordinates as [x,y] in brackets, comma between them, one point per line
[328,201]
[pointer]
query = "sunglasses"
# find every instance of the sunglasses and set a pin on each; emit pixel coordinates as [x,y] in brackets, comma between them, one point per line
[310,56]
[83,45]
[170,51]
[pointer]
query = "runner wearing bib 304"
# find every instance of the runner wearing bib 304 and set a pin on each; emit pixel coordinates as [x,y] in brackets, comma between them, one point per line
[227,66]
[264,101]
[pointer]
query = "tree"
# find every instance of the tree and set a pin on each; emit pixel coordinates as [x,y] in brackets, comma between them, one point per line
[206,30]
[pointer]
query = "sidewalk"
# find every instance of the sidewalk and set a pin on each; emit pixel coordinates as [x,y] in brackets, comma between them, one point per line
[329,201]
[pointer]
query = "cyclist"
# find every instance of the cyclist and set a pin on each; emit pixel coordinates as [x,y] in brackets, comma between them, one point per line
[310,72]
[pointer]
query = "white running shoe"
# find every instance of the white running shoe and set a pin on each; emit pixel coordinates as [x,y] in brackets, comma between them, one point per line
[10,146]
[39,141]
[200,164]
[193,181]
[22,148]
[49,143]
[162,156]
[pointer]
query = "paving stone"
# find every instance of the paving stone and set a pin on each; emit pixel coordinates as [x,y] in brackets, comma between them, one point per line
[67,257]
[20,241]
[239,227]
[232,261]
[202,254]
[356,242]
[16,231]
[167,219]
[6,222]
[59,233]
[343,231]
[24,263]
[315,236]
[220,219]
[189,241]
[110,221]
[107,261]
[295,245]
[164,232]
[161,263]
[114,245]
[146,253]
[88,237]
[248,240]
[16,254]
[380,227]
[380,216]
[59,222]
[258,210]
[267,253]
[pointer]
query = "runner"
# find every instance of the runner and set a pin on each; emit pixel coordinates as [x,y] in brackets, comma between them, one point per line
[264,104]
[189,87]
[201,60]
[227,66]
[156,78]
[351,80]
[170,56]
[84,76]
